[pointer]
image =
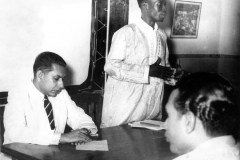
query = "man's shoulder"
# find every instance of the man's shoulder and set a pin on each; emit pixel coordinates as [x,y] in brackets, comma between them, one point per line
[19,89]
[128,28]
[18,94]
[132,26]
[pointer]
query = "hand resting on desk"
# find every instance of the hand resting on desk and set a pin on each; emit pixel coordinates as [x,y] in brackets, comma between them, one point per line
[78,136]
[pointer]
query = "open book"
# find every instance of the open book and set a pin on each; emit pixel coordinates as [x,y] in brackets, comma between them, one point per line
[149,124]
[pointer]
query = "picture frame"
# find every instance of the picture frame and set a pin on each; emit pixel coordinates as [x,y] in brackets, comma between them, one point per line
[186,19]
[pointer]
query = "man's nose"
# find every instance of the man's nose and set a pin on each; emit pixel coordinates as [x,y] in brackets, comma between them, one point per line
[60,84]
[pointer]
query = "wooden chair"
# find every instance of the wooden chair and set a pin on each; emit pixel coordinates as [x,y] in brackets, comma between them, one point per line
[3,102]
[91,102]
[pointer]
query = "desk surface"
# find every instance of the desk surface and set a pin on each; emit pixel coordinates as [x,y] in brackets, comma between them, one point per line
[124,143]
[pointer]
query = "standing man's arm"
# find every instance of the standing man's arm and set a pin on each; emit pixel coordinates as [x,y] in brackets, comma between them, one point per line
[116,65]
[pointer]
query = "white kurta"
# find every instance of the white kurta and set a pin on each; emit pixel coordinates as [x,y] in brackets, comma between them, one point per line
[26,121]
[130,94]
[220,148]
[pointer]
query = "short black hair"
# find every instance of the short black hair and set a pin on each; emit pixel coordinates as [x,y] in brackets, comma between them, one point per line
[212,99]
[45,60]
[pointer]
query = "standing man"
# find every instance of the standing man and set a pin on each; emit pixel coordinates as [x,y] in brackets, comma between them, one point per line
[38,111]
[137,66]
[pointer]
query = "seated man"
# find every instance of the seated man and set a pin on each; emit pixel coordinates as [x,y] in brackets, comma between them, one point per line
[203,119]
[38,111]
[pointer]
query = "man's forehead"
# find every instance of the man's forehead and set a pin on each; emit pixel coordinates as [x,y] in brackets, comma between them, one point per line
[58,70]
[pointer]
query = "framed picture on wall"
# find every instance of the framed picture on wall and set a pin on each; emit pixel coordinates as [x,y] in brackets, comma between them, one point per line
[186,19]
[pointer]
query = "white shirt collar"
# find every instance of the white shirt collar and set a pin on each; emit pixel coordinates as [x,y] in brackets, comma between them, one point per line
[223,146]
[218,141]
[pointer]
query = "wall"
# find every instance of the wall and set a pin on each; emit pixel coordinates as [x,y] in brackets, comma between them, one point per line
[33,26]
[230,32]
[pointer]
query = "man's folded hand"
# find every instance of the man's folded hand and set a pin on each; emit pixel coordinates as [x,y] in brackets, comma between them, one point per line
[155,70]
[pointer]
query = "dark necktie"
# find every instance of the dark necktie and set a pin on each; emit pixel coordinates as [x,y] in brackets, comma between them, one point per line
[49,111]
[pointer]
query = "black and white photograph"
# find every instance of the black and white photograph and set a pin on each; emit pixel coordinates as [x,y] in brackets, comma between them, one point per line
[119,79]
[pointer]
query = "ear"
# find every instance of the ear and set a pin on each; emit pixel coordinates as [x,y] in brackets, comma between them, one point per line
[39,75]
[189,122]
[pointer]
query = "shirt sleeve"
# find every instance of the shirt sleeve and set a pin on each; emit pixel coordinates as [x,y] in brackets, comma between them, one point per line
[76,117]
[116,65]
[16,123]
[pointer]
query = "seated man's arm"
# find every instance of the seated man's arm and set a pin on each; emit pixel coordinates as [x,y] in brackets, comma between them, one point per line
[76,117]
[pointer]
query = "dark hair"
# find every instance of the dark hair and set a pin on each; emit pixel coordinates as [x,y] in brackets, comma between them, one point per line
[45,60]
[211,98]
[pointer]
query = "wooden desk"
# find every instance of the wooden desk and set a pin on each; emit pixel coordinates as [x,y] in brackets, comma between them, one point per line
[124,142]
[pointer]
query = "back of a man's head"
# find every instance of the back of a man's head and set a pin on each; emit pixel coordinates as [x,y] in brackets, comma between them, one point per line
[45,60]
[212,99]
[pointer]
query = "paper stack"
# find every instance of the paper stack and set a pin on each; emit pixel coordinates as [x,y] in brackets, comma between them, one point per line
[149,124]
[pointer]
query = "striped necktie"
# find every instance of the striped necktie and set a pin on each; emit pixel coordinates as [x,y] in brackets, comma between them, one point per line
[49,111]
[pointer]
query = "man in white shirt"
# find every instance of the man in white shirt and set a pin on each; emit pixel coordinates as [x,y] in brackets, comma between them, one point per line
[137,66]
[25,118]
[203,119]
